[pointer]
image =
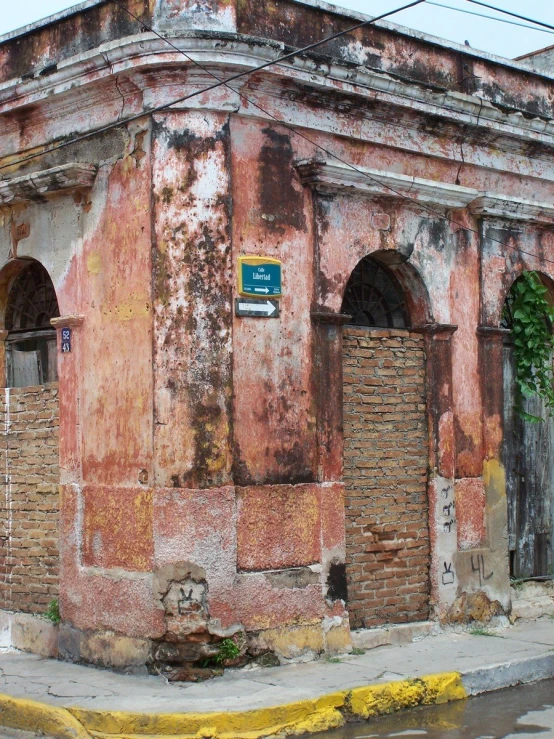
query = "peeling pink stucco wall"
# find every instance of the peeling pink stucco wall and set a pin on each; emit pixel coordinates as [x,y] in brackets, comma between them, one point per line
[192,437]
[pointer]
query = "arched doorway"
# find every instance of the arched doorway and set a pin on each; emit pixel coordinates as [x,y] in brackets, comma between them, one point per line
[31,357]
[528,454]
[385,452]
[29,439]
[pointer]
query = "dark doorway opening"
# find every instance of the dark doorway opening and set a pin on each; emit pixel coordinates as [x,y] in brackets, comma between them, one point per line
[31,353]
[527,455]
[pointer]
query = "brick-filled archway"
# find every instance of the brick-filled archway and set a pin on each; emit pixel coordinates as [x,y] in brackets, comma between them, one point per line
[385,454]
[29,440]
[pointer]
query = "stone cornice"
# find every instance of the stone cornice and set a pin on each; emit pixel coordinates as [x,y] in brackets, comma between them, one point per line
[493,205]
[437,330]
[338,176]
[492,331]
[327,8]
[335,176]
[235,52]
[137,53]
[322,316]
[69,321]
[36,185]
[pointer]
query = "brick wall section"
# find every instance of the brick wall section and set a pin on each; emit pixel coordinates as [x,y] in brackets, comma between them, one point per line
[29,504]
[385,471]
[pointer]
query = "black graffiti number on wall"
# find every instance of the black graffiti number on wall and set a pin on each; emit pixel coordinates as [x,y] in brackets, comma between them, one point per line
[478,565]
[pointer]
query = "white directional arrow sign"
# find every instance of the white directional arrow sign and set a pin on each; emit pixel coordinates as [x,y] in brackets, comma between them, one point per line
[267,308]
[262,290]
[257,308]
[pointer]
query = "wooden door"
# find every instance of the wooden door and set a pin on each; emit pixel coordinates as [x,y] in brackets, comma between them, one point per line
[528,450]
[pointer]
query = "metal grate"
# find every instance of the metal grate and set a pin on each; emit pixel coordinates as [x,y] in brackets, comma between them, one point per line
[32,301]
[374,297]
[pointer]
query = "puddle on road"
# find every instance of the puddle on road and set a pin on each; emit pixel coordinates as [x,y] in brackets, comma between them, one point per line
[516,713]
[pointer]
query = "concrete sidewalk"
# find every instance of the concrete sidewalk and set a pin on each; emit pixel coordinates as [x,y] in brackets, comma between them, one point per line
[74,701]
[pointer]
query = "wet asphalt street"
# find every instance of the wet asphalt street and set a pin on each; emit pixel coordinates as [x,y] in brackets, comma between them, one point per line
[517,713]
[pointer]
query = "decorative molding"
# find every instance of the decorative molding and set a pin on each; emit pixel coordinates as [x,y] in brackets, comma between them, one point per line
[380,332]
[433,329]
[145,52]
[515,209]
[328,317]
[486,331]
[327,175]
[36,185]
[18,335]
[71,321]
[374,182]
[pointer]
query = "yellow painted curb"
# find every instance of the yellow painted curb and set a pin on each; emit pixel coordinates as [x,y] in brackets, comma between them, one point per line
[27,715]
[303,717]
[377,700]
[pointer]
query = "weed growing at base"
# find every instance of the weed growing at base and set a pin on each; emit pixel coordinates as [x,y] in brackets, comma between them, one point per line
[53,612]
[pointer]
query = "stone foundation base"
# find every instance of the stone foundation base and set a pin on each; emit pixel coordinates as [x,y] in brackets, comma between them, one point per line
[305,642]
[299,643]
[28,633]
[532,600]
[396,634]
[104,649]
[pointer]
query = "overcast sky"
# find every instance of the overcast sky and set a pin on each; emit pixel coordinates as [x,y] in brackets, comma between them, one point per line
[489,35]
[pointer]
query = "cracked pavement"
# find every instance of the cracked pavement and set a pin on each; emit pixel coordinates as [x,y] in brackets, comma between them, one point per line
[63,684]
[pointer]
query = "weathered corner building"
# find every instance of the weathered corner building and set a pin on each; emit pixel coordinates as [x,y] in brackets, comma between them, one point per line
[349,463]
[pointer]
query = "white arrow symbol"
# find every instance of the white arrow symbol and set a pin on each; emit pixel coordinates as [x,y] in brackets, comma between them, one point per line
[261,290]
[268,307]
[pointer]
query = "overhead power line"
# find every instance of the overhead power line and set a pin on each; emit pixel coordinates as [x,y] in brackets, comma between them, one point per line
[216,77]
[490,17]
[328,152]
[219,83]
[226,82]
[513,15]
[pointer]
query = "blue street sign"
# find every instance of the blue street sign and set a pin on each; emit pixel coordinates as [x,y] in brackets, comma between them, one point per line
[260,277]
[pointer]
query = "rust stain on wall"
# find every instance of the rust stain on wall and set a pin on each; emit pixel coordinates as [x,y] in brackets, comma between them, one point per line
[274,428]
[192,301]
[279,197]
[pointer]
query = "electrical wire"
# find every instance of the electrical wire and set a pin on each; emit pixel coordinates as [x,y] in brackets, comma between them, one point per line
[226,82]
[490,17]
[333,155]
[121,121]
[219,83]
[513,15]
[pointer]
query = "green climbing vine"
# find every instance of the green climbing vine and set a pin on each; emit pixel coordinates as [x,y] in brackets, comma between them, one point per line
[530,315]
